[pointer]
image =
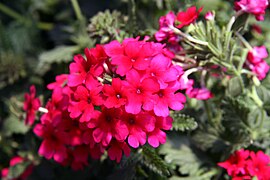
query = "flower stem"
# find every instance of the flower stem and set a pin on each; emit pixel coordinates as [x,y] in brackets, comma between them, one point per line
[188,37]
[244,41]
[77,9]
[232,20]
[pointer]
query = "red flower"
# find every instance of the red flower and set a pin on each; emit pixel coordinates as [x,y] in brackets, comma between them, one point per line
[140,92]
[131,54]
[157,136]
[258,165]
[115,94]
[188,17]
[86,71]
[54,140]
[115,150]
[166,98]
[236,164]
[84,102]
[31,105]
[138,126]
[109,125]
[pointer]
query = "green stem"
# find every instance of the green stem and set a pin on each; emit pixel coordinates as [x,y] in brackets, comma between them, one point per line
[11,13]
[255,96]
[77,9]
[232,20]
[208,112]
[188,37]
[244,41]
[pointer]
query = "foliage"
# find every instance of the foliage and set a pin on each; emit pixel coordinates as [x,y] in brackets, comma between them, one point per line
[39,38]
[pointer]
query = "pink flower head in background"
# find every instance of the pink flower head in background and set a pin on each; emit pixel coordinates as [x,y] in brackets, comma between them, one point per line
[256,61]
[165,32]
[13,162]
[255,7]
[31,105]
[209,16]
[188,17]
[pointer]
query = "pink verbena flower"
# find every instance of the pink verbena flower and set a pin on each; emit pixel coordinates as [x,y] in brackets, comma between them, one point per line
[168,98]
[165,32]
[258,165]
[54,140]
[86,71]
[31,105]
[256,62]
[157,136]
[199,93]
[236,163]
[84,102]
[116,149]
[115,94]
[255,7]
[209,16]
[188,17]
[257,54]
[128,55]
[109,125]
[140,92]
[138,126]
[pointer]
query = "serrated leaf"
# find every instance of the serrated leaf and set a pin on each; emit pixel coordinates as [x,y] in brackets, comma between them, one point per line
[12,125]
[154,162]
[183,122]
[57,55]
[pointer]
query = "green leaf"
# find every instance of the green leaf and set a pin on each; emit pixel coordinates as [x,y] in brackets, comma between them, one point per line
[154,162]
[183,122]
[57,55]
[12,125]
[234,87]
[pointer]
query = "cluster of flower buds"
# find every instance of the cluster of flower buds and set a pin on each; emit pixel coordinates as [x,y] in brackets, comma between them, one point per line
[245,164]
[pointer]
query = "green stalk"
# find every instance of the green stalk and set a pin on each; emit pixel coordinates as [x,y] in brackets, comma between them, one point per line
[77,10]
[8,11]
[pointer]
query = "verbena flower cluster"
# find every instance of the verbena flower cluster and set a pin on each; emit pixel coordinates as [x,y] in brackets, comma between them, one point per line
[118,96]
[245,164]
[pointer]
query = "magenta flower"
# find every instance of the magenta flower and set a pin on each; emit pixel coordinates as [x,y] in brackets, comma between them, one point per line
[140,92]
[86,71]
[116,149]
[54,140]
[161,68]
[31,105]
[199,93]
[138,126]
[165,32]
[109,125]
[258,165]
[115,94]
[255,7]
[84,102]
[131,54]
[167,98]
[257,54]
[157,136]
[209,16]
